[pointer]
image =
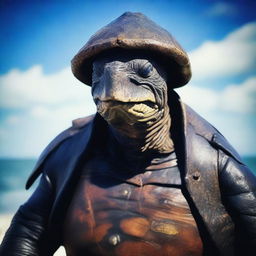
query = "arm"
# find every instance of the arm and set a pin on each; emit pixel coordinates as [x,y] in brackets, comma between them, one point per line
[27,234]
[238,190]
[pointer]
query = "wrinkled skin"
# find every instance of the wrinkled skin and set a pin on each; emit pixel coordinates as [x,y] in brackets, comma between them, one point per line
[130,93]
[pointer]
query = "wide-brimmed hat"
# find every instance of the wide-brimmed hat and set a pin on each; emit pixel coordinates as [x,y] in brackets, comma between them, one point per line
[134,31]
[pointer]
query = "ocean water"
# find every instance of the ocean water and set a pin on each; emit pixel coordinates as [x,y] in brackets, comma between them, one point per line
[13,175]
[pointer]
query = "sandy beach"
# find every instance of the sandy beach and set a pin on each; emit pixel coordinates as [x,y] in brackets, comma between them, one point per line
[5,220]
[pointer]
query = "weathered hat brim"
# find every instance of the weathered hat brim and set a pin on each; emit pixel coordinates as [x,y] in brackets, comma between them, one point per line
[82,62]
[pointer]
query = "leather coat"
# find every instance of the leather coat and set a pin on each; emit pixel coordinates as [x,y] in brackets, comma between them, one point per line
[220,189]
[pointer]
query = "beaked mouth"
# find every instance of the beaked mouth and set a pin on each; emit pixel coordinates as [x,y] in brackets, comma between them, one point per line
[142,111]
[117,102]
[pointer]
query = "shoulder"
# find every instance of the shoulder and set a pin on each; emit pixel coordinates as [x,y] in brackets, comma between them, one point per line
[78,125]
[208,132]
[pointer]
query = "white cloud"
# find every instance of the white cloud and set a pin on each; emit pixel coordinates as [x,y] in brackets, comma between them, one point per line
[12,119]
[237,98]
[222,9]
[62,113]
[240,98]
[3,133]
[41,107]
[234,55]
[202,99]
[22,89]
[27,133]
[231,110]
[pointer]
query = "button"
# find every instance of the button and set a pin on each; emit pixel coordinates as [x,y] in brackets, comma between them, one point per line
[196,175]
[114,239]
[125,192]
[167,201]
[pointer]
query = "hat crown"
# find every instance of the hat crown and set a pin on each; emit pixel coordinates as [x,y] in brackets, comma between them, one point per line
[133,31]
[133,26]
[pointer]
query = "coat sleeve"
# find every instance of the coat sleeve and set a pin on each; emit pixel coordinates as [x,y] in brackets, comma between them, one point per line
[27,232]
[238,191]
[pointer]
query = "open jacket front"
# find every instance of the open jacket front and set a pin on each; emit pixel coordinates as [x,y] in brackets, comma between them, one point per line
[218,186]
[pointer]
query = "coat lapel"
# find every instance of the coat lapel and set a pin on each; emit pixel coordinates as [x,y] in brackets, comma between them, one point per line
[202,183]
[68,163]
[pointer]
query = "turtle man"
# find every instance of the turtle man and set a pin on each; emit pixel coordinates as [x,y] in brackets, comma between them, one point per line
[146,175]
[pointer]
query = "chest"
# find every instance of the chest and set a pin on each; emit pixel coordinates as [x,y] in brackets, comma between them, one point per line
[115,213]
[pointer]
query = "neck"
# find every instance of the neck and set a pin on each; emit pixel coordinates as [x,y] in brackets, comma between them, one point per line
[153,138]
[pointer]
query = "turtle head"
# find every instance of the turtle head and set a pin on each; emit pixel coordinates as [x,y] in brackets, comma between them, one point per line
[129,89]
[128,63]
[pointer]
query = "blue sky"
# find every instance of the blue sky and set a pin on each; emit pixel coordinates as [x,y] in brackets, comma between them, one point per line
[39,96]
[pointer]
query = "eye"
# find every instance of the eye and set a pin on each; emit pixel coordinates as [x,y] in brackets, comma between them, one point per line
[145,70]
